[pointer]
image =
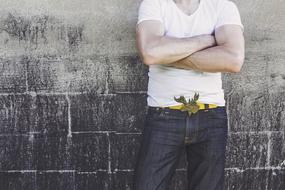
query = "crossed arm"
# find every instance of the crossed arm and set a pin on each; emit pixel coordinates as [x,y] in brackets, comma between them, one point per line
[221,52]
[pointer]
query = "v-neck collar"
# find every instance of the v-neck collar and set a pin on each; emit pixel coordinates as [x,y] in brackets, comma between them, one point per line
[183,13]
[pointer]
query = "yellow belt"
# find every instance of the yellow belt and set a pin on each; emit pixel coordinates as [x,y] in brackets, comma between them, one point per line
[201,106]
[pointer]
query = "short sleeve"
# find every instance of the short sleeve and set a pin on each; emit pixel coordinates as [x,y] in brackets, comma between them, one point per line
[229,14]
[149,10]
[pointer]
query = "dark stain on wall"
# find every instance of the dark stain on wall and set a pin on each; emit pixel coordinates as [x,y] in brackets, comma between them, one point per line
[39,29]
[74,34]
[28,29]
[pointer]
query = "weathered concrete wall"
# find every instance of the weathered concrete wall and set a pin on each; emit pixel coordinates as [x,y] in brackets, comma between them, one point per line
[73,97]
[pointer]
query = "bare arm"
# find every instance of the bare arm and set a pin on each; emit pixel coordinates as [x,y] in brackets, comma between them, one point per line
[227,56]
[156,48]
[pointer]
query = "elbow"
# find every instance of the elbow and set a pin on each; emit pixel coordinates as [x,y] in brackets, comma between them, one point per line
[147,60]
[149,57]
[237,63]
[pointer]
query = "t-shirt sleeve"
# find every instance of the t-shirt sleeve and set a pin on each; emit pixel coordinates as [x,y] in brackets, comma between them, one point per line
[229,14]
[149,10]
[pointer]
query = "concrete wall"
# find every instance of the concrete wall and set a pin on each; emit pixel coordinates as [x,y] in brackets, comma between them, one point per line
[73,97]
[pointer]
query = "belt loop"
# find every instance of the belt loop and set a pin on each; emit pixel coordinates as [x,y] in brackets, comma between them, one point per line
[206,106]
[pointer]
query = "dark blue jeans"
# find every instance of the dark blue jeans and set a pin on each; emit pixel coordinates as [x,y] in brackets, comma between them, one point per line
[167,133]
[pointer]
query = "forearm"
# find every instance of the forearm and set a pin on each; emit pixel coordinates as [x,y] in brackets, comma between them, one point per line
[214,59]
[227,56]
[167,49]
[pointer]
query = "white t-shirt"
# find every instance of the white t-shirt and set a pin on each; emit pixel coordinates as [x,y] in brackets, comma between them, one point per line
[166,82]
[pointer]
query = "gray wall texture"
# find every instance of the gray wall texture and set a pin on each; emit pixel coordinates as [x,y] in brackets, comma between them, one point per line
[73,97]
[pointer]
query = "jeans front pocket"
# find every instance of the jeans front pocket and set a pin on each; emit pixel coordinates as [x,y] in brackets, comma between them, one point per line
[219,112]
[165,114]
[216,117]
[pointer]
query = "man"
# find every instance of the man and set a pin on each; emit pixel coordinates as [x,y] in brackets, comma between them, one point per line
[187,44]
